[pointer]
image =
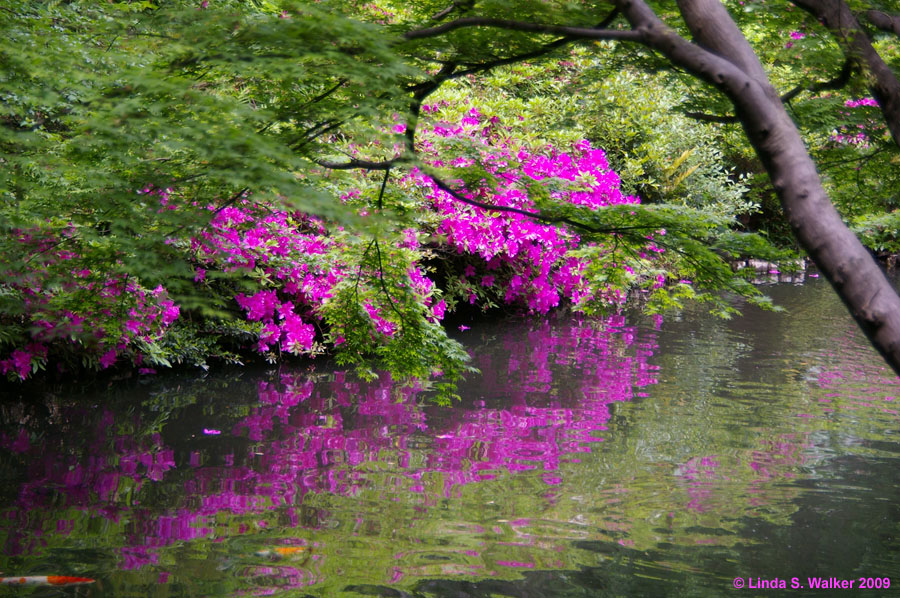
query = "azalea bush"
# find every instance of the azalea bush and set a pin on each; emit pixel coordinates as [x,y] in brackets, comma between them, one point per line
[495,258]
[290,283]
[470,222]
[77,316]
[176,191]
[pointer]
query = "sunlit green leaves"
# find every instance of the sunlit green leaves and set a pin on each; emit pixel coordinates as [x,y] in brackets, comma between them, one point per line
[696,254]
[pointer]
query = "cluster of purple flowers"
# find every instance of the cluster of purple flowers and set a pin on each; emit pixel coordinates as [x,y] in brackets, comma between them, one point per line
[292,251]
[522,260]
[795,35]
[862,136]
[861,102]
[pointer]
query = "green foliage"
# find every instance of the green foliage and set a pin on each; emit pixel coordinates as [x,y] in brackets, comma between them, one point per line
[99,103]
[107,109]
[662,156]
[879,232]
[378,320]
[697,252]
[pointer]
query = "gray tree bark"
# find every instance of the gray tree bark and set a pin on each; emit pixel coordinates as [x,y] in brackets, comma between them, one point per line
[884,21]
[723,57]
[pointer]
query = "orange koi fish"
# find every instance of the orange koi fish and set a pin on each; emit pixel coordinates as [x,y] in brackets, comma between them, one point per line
[46,580]
[282,551]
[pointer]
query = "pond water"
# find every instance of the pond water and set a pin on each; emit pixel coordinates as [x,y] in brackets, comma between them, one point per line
[638,456]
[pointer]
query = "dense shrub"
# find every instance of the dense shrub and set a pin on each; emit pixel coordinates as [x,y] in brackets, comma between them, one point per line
[294,284]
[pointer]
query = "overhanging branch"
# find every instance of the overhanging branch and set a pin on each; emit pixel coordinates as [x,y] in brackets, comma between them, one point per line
[842,79]
[537,53]
[443,186]
[838,82]
[511,25]
[884,21]
[847,31]
[870,298]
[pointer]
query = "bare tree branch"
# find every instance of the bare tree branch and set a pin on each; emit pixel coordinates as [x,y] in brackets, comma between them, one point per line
[712,118]
[443,13]
[511,25]
[415,107]
[838,82]
[884,21]
[542,51]
[842,79]
[461,5]
[714,30]
[361,164]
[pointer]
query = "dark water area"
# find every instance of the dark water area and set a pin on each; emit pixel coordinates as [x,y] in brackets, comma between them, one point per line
[633,457]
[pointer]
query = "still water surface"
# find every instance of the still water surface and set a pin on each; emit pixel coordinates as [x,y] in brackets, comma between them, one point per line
[635,457]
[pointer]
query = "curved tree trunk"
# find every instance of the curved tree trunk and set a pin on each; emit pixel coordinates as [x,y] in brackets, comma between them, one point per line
[723,58]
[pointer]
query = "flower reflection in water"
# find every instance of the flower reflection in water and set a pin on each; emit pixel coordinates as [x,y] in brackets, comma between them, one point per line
[319,479]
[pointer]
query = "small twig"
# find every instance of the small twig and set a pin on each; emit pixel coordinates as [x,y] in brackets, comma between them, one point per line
[315,131]
[866,158]
[384,286]
[387,174]
[326,93]
[359,270]
[712,118]
[215,213]
[443,13]
[356,163]
[47,249]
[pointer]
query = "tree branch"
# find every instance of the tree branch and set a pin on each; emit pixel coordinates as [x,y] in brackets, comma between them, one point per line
[384,181]
[326,93]
[884,21]
[415,107]
[361,164]
[462,5]
[714,30]
[712,118]
[443,186]
[420,92]
[838,82]
[486,66]
[542,51]
[574,32]
[384,288]
[837,252]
